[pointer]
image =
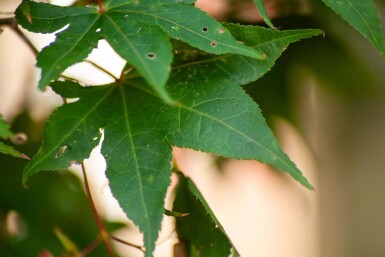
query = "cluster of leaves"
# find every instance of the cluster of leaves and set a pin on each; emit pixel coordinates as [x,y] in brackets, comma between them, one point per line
[181,87]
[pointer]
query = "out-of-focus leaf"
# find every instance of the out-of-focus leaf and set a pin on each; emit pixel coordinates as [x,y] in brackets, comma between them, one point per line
[5,149]
[263,12]
[200,231]
[5,132]
[363,16]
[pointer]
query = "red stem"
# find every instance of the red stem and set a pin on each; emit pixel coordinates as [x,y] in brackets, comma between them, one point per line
[140,248]
[101,6]
[90,247]
[102,230]
[12,23]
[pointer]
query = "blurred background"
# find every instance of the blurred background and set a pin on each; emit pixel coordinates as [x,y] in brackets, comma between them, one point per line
[325,101]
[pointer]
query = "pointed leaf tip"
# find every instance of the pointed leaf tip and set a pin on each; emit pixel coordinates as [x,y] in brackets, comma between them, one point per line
[262,11]
[200,231]
[362,16]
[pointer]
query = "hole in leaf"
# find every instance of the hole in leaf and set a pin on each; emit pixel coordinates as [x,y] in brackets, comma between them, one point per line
[151,56]
[213,44]
[205,29]
[221,31]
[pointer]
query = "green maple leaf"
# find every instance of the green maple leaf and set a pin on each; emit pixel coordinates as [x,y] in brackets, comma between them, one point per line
[363,16]
[6,149]
[212,114]
[199,230]
[137,30]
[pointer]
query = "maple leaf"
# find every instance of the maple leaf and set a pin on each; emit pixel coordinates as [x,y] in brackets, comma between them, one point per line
[138,30]
[199,230]
[362,16]
[212,114]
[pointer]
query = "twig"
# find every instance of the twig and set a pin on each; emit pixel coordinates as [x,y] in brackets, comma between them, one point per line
[101,68]
[90,247]
[7,13]
[140,248]
[12,23]
[102,230]
[6,21]
[125,72]
[101,7]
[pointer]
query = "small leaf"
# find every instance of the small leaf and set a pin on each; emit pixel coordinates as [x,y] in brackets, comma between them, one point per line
[201,232]
[66,242]
[263,12]
[5,149]
[363,16]
[5,132]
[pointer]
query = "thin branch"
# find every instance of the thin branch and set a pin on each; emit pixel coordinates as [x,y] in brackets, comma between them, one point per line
[90,247]
[101,68]
[7,21]
[103,232]
[140,248]
[12,23]
[7,13]
[101,6]
[125,72]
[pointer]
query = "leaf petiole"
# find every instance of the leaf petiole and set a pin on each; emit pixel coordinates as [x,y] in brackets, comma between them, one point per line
[102,230]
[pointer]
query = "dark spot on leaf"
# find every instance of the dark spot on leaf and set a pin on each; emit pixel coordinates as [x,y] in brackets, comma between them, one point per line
[213,44]
[151,56]
[205,29]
